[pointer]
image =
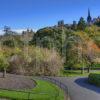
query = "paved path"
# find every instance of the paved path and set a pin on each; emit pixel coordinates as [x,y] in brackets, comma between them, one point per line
[79,89]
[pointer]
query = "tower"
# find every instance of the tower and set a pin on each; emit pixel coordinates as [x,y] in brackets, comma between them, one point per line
[61,23]
[89,18]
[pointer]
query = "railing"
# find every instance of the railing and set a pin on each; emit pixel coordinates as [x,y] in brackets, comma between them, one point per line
[60,84]
[29,95]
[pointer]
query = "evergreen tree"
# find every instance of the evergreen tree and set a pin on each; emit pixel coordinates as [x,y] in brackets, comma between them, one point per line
[81,24]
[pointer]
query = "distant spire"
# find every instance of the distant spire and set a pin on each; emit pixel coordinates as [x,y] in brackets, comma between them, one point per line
[89,18]
[89,12]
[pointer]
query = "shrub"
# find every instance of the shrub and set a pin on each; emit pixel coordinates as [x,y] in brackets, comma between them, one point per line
[44,62]
[97,65]
[94,79]
[38,61]
[9,43]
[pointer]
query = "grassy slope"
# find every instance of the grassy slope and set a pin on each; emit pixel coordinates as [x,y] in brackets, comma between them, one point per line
[43,91]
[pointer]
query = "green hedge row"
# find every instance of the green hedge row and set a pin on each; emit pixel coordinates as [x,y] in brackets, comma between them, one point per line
[94,78]
[97,65]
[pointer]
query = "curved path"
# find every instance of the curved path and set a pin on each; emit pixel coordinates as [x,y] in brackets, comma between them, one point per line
[79,89]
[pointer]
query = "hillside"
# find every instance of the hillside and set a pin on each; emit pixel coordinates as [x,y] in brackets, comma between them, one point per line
[75,46]
[44,52]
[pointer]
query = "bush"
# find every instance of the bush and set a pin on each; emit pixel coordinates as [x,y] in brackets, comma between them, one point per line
[38,61]
[9,43]
[94,79]
[97,65]
[44,62]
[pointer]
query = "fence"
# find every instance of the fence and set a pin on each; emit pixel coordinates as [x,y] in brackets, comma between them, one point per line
[24,95]
[60,84]
[29,95]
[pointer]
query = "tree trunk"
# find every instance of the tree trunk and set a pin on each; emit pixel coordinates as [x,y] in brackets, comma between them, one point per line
[88,69]
[82,71]
[4,73]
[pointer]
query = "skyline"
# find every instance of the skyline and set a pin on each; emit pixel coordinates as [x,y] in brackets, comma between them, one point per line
[36,14]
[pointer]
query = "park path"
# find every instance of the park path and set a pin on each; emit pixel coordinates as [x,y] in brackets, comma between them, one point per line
[79,89]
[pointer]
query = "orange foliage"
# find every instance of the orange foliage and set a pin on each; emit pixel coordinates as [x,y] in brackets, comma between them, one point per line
[95,47]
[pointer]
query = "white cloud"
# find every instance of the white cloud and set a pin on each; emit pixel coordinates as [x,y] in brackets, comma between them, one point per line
[19,30]
[16,30]
[1,32]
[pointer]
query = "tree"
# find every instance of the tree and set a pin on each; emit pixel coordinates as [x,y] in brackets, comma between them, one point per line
[81,24]
[7,30]
[9,43]
[3,64]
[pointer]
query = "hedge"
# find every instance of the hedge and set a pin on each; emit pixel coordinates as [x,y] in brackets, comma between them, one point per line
[94,79]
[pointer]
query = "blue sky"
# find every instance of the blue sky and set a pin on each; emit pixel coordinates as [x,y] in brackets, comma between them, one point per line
[21,14]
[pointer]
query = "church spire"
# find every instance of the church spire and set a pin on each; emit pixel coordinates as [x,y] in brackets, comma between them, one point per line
[89,12]
[89,18]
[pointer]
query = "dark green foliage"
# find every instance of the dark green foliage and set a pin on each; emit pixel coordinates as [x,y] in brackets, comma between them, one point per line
[94,79]
[97,23]
[96,65]
[49,38]
[12,41]
[81,24]
[9,43]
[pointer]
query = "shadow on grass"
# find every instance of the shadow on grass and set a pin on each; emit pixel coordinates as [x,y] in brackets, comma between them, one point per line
[83,82]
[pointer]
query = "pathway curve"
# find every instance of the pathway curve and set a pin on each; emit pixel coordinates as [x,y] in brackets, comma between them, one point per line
[79,89]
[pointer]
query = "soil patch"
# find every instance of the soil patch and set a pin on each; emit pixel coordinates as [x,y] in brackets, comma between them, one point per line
[16,82]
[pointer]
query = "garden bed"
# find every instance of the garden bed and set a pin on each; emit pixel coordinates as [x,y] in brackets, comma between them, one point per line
[16,82]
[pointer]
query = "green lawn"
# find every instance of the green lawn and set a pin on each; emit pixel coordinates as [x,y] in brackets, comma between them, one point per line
[73,73]
[43,91]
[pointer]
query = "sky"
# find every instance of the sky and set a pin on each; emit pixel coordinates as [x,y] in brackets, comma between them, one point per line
[36,14]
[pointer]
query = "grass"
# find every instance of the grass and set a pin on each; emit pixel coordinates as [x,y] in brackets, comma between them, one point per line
[43,91]
[74,73]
